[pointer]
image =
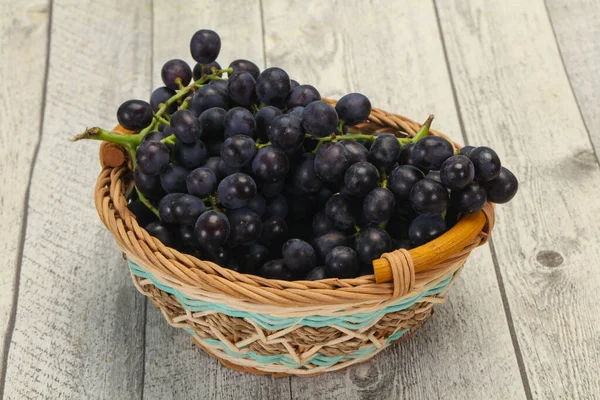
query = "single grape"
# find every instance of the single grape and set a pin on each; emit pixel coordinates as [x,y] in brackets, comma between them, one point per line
[322,224]
[213,164]
[361,178]
[324,194]
[201,182]
[371,243]
[316,274]
[331,162]
[275,269]
[152,158]
[457,172]
[134,115]
[466,151]
[241,88]
[320,119]
[253,256]
[384,151]
[273,87]
[407,155]
[429,197]
[201,70]
[306,178]
[353,108]
[186,209]
[239,121]
[326,242]
[301,96]
[434,176]
[487,163]
[241,65]
[342,262]
[431,152]
[186,127]
[285,132]
[212,229]
[187,239]
[175,72]
[161,95]
[218,255]
[378,205]
[274,232]
[276,206]
[270,165]
[406,244]
[149,185]
[142,213]
[190,155]
[470,199]
[342,211]
[220,84]
[245,225]
[296,111]
[165,208]
[502,188]
[258,204]
[271,190]
[424,229]
[263,118]
[207,97]
[299,256]
[205,46]
[212,123]
[172,179]
[402,179]
[155,136]
[293,84]
[357,152]
[235,190]
[161,232]
[238,150]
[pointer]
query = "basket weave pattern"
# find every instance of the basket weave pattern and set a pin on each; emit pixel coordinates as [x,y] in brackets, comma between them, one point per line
[268,326]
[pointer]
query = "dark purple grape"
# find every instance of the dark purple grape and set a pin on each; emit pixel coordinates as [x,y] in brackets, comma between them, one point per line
[384,151]
[161,232]
[299,257]
[253,256]
[156,136]
[402,179]
[321,224]
[263,118]
[235,190]
[357,152]
[273,87]
[190,155]
[379,205]
[218,255]
[172,179]
[212,229]
[342,262]
[245,226]
[152,158]
[306,178]
[407,156]
[175,72]
[276,207]
[275,269]
[424,229]
[238,150]
[502,188]
[296,111]
[270,190]
[470,199]
[142,213]
[320,119]
[224,170]
[371,243]
[353,108]
[285,132]
[301,96]
[185,126]
[241,65]
[186,209]
[361,178]
[187,238]
[205,46]
[213,164]
[466,151]
[429,197]
[324,194]
[457,172]
[201,182]
[161,95]
[209,96]
[134,115]
[201,70]
[270,165]
[212,122]
[326,242]
[341,211]
[331,162]
[487,163]
[366,269]
[149,185]
[293,84]
[220,84]
[241,88]
[402,244]
[431,152]
[257,204]
[239,121]
[274,232]
[434,176]
[316,274]
[165,208]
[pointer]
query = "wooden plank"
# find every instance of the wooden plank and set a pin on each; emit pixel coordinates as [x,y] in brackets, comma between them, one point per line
[24,42]
[79,322]
[515,96]
[175,368]
[376,48]
[576,25]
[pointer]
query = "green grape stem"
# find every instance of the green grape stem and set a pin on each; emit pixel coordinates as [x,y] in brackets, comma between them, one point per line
[424,131]
[146,202]
[169,139]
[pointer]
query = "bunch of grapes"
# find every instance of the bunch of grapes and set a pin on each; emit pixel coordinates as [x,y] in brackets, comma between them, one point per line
[257,174]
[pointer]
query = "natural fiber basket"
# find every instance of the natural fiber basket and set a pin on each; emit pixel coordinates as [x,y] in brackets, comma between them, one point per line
[290,328]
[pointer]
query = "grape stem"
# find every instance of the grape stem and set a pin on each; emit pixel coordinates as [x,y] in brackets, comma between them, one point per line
[108,136]
[261,145]
[162,120]
[146,202]
[169,139]
[341,126]
[424,131]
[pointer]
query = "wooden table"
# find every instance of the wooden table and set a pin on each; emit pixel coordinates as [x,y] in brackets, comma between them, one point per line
[523,321]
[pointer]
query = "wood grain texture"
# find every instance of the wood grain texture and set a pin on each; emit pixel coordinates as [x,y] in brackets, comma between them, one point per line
[514,95]
[175,367]
[576,25]
[465,351]
[79,323]
[23,40]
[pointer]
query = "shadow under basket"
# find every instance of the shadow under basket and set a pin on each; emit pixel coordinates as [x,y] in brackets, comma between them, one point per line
[286,328]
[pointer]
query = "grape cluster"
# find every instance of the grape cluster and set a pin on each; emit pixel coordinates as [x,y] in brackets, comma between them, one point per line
[260,175]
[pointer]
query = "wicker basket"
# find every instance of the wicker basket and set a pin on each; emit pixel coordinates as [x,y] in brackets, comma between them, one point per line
[290,328]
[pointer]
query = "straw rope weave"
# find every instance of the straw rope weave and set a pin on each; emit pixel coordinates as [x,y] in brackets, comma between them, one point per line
[269,326]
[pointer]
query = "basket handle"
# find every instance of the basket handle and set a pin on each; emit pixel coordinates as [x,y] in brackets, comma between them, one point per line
[112,154]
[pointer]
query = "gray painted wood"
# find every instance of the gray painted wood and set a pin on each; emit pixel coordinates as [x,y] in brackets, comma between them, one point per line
[175,367]
[79,323]
[23,40]
[576,25]
[465,351]
[514,95]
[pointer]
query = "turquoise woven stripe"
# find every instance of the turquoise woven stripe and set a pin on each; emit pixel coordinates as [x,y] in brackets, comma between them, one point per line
[354,321]
[284,359]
